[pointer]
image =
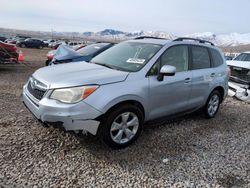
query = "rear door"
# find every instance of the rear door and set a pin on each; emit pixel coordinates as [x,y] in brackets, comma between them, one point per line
[202,75]
[172,94]
[32,42]
[28,43]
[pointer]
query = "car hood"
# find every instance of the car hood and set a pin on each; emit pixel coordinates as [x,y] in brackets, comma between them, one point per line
[64,52]
[242,64]
[77,74]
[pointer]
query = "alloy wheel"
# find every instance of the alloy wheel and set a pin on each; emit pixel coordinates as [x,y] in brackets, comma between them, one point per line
[124,127]
[213,105]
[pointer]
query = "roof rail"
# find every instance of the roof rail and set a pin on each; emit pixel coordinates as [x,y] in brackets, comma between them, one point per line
[194,39]
[148,37]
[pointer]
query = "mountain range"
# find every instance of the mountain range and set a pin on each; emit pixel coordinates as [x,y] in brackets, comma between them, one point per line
[223,40]
[231,39]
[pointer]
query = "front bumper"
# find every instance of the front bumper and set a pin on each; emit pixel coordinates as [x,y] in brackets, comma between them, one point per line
[240,91]
[73,117]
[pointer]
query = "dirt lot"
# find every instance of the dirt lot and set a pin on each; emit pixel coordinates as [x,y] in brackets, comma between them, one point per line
[197,152]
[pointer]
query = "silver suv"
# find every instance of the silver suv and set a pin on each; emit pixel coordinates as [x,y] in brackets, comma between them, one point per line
[127,85]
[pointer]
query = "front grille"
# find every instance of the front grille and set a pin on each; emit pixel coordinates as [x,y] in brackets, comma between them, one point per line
[240,73]
[36,92]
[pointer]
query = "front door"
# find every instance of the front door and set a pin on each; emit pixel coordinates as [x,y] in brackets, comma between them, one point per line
[171,95]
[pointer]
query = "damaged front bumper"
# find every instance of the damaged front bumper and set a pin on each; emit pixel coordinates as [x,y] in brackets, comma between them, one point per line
[73,117]
[239,90]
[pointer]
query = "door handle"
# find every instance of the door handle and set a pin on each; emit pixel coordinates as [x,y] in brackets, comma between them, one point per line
[212,75]
[187,80]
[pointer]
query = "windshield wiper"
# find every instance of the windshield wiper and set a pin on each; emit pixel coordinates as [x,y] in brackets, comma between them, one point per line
[105,65]
[111,66]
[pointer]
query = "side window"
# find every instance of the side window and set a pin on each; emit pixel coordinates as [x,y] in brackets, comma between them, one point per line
[154,69]
[200,58]
[176,56]
[217,59]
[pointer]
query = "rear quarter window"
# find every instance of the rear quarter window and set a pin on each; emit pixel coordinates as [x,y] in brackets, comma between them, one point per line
[217,60]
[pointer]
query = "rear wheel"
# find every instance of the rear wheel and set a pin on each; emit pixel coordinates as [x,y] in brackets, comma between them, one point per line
[213,104]
[121,127]
[23,45]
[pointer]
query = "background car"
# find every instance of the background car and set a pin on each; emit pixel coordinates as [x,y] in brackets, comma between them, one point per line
[227,57]
[66,54]
[31,43]
[56,44]
[239,83]
[10,41]
[245,56]
[2,38]
[47,42]
[7,52]
[51,53]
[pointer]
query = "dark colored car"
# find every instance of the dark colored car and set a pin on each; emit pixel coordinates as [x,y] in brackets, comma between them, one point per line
[228,58]
[2,38]
[65,54]
[31,43]
[8,52]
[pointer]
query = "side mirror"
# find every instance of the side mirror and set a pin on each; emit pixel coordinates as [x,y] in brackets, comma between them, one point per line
[166,70]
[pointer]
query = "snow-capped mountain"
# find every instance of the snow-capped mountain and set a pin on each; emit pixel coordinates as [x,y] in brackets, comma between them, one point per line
[232,39]
[107,33]
[110,32]
[205,36]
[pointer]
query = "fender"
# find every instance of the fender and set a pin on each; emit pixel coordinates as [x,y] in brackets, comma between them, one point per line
[124,98]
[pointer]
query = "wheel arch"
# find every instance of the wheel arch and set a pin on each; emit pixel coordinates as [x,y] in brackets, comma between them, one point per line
[221,90]
[117,103]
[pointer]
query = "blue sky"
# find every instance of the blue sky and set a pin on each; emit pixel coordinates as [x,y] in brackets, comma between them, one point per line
[174,16]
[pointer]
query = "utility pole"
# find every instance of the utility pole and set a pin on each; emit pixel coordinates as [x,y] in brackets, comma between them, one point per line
[51,33]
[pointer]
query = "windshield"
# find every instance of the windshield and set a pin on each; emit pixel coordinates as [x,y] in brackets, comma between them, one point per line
[91,49]
[243,57]
[127,56]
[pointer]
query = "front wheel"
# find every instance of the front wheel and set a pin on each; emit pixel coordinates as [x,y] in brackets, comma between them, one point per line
[121,127]
[213,104]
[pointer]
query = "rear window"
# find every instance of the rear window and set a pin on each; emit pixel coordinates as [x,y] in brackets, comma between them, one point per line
[216,57]
[200,58]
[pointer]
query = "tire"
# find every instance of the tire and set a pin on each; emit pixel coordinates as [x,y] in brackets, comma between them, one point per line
[213,104]
[40,47]
[122,135]
[23,45]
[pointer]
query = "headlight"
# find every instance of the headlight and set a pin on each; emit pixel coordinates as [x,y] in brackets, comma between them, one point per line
[73,95]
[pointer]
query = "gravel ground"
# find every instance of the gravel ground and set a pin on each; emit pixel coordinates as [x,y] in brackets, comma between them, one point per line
[188,152]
